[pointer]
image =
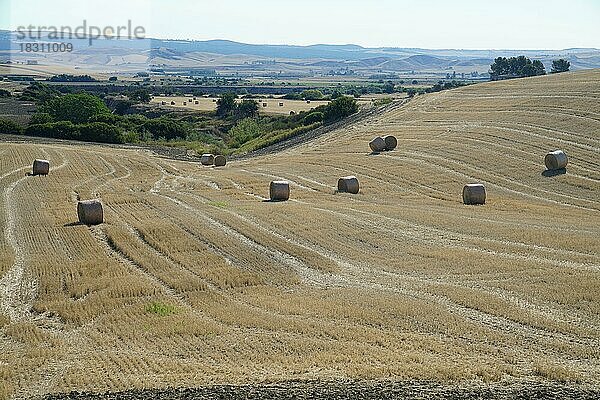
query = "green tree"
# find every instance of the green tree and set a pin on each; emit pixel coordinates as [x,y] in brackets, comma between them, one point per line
[10,127]
[100,132]
[389,87]
[538,68]
[226,105]
[56,130]
[140,96]
[338,109]
[39,93]
[516,67]
[41,118]
[313,117]
[246,109]
[312,94]
[165,128]
[559,66]
[76,108]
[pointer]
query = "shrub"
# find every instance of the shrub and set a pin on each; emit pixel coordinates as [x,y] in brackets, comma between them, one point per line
[245,130]
[275,137]
[100,132]
[39,93]
[165,128]
[4,93]
[56,130]
[111,119]
[10,127]
[312,94]
[313,117]
[338,109]
[41,118]
[76,108]
[131,137]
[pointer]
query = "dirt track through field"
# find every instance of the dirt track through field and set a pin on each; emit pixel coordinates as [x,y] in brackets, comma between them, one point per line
[195,279]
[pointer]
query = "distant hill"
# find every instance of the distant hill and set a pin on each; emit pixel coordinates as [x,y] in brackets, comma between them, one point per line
[139,54]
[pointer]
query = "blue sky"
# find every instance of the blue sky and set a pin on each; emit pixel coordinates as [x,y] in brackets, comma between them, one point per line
[521,24]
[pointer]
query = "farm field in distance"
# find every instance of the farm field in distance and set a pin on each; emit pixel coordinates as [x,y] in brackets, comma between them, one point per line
[210,104]
[195,280]
[272,104]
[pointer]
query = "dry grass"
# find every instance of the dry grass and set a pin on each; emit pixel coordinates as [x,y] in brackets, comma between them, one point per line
[193,279]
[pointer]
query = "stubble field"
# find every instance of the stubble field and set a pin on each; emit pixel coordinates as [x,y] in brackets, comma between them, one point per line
[195,280]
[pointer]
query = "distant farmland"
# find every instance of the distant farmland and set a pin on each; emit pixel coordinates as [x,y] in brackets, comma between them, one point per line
[195,280]
[209,104]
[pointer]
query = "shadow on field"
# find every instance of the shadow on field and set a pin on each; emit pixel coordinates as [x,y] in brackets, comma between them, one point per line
[556,172]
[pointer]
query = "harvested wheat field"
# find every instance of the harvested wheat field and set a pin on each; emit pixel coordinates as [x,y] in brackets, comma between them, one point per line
[195,280]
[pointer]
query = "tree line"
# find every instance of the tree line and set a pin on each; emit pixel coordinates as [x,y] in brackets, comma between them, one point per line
[521,66]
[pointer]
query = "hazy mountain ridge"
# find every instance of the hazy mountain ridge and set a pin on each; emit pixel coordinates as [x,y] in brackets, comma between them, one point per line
[214,53]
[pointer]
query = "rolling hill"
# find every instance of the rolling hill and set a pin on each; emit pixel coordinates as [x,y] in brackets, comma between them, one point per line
[142,54]
[195,280]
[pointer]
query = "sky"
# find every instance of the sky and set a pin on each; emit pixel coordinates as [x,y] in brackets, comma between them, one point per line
[434,24]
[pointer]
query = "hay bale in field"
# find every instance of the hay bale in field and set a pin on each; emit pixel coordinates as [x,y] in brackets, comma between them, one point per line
[172,103]
[163,103]
[377,145]
[348,184]
[292,112]
[90,212]
[390,142]
[41,167]
[556,160]
[264,104]
[220,161]
[207,159]
[196,102]
[280,104]
[307,101]
[279,191]
[474,194]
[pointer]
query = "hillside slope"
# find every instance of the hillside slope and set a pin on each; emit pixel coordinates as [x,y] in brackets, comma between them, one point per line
[195,280]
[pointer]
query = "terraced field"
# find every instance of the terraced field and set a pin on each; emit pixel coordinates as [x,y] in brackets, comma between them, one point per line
[195,280]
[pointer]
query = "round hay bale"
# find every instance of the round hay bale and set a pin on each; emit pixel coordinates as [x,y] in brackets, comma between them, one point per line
[377,145]
[264,104]
[279,191]
[348,184]
[390,143]
[474,194]
[207,159]
[41,167]
[220,161]
[196,102]
[172,103]
[556,160]
[280,104]
[90,212]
